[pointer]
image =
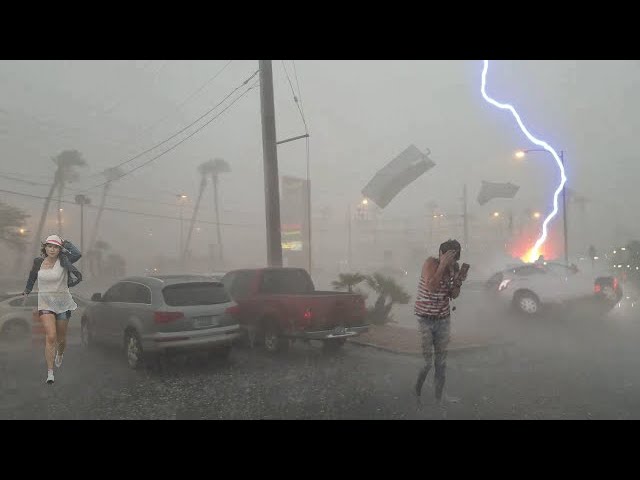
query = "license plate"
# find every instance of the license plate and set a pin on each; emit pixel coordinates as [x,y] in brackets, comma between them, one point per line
[204,322]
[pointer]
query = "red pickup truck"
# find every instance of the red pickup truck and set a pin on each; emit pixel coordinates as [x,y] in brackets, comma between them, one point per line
[278,305]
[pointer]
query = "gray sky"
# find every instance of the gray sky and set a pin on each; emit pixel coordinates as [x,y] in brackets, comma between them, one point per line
[360,114]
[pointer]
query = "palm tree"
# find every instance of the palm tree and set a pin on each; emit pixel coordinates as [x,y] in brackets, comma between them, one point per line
[204,171]
[386,288]
[348,281]
[66,161]
[210,168]
[218,166]
[111,174]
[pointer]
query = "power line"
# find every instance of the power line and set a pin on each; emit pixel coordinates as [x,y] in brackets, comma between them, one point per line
[132,212]
[185,128]
[295,98]
[21,180]
[181,141]
[124,197]
[295,72]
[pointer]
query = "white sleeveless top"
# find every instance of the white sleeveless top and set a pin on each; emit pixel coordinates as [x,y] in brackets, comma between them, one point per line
[53,291]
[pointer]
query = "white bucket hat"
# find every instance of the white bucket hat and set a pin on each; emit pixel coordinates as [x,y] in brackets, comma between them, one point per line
[54,240]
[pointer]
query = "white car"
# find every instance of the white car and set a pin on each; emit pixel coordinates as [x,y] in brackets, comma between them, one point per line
[529,287]
[16,313]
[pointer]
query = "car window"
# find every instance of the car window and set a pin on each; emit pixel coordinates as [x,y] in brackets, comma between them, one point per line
[135,293]
[286,281]
[115,293]
[195,293]
[528,270]
[558,270]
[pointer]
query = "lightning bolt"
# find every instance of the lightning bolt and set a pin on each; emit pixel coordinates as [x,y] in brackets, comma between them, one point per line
[532,255]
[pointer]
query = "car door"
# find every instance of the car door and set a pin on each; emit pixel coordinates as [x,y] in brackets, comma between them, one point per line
[569,286]
[136,304]
[580,284]
[120,311]
[104,311]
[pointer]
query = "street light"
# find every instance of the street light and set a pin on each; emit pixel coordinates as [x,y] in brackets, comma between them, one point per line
[182,198]
[521,154]
[536,214]
[365,201]
[496,214]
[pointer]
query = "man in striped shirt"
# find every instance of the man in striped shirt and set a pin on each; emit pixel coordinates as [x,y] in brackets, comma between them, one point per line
[439,282]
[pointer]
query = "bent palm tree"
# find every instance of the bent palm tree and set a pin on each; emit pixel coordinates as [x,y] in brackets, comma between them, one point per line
[66,161]
[204,171]
[217,167]
[111,174]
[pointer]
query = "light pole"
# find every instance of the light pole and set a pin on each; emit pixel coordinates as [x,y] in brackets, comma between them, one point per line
[82,200]
[521,154]
[182,198]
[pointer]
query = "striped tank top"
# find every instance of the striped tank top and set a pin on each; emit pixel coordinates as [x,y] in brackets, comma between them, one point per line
[435,303]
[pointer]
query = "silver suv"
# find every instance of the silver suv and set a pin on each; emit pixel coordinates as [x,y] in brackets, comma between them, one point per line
[148,316]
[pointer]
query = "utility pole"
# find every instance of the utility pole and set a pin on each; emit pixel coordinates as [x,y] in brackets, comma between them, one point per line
[564,214]
[270,158]
[349,220]
[82,200]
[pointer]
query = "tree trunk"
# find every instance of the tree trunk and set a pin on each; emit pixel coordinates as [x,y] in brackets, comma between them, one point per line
[45,209]
[218,232]
[203,184]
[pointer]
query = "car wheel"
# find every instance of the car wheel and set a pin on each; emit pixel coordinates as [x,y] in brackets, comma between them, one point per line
[274,342]
[16,329]
[527,303]
[133,349]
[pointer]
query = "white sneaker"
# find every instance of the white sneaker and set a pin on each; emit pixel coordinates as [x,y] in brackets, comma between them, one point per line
[58,360]
[50,377]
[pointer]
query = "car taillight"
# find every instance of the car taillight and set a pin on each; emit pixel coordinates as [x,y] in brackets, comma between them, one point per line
[307,315]
[597,288]
[615,283]
[233,311]
[166,317]
[503,284]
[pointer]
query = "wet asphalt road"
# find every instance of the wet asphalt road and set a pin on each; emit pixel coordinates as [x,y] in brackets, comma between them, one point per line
[567,368]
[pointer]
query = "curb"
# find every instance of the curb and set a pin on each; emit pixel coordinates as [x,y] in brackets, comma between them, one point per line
[454,350]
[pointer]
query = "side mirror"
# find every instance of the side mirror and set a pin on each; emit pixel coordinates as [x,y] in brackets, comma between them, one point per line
[96,297]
